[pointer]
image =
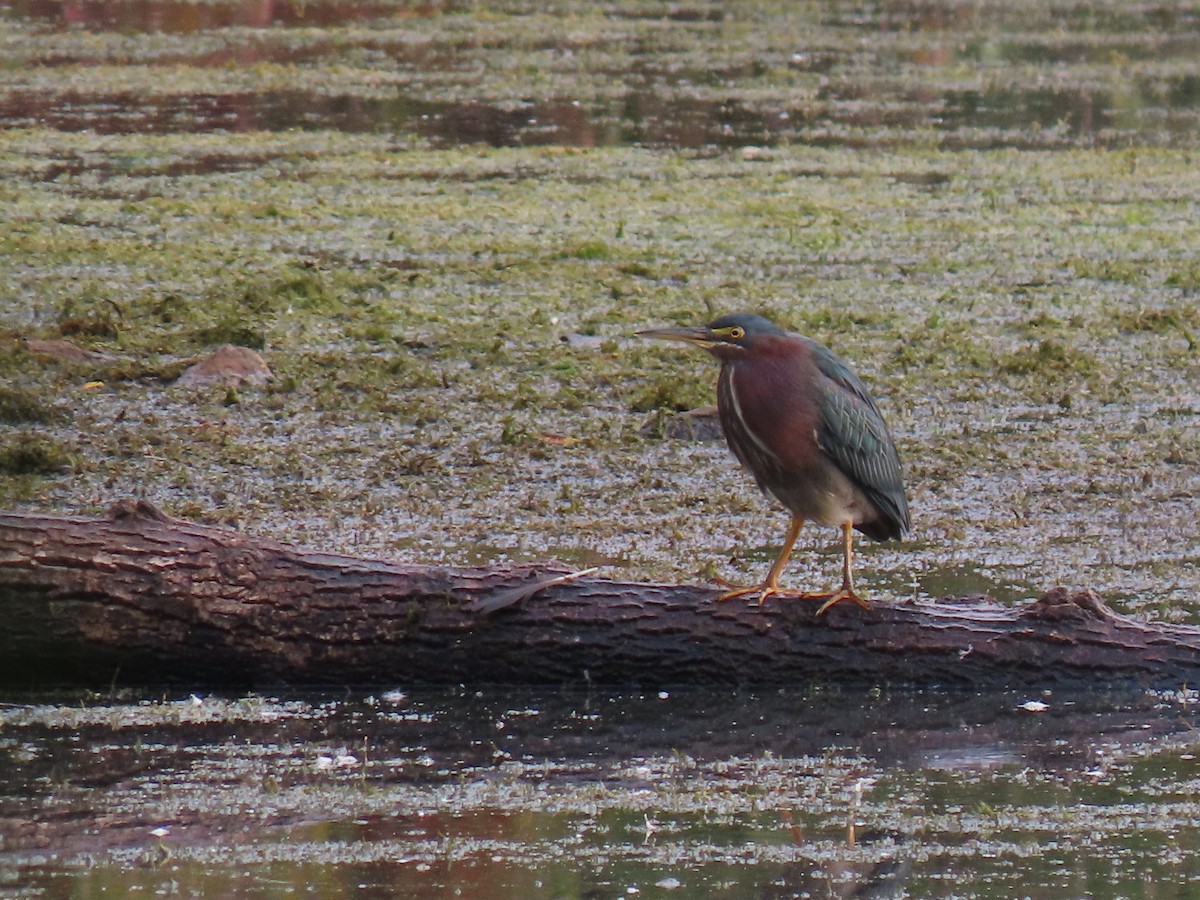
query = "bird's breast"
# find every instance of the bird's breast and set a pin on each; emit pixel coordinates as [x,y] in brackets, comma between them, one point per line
[772,407]
[770,414]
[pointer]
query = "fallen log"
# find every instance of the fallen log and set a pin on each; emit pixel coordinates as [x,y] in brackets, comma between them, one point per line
[138,597]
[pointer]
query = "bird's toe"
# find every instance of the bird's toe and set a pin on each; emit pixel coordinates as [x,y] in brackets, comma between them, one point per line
[836,597]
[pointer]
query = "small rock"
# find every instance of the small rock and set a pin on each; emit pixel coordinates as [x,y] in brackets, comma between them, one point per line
[228,365]
[65,351]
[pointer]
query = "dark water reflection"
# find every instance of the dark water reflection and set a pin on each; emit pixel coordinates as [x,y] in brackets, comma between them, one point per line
[959,74]
[1043,118]
[572,794]
[184,17]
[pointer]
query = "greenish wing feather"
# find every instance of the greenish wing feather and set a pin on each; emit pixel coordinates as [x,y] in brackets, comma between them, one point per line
[852,432]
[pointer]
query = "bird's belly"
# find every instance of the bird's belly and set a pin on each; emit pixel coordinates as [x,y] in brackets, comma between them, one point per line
[824,495]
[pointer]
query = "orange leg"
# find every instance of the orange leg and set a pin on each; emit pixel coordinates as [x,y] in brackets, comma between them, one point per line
[770,586]
[847,591]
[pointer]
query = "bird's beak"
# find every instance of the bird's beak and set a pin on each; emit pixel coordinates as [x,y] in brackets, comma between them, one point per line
[698,336]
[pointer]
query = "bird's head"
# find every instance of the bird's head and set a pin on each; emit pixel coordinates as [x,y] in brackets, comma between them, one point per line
[727,338]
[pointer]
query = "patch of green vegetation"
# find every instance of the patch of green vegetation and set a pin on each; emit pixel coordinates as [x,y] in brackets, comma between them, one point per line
[19,407]
[27,454]
[637,270]
[1048,358]
[231,331]
[94,317]
[1185,275]
[668,392]
[247,311]
[1126,271]
[942,348]
[1183,447]
[589,250]
[1183,319]
[839,319]
[1042,323]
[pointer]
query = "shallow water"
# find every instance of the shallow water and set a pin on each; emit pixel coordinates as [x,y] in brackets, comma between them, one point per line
[568,794]
[974,75]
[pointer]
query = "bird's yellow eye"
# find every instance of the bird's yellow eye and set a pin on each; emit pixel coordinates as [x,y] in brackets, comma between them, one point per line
[736,333]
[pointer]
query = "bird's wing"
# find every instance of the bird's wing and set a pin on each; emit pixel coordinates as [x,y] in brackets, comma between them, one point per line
[852,432]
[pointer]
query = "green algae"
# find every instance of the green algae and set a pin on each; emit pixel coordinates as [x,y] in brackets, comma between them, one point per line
[412,305]
[28,454]
[17,406]
[1018,293]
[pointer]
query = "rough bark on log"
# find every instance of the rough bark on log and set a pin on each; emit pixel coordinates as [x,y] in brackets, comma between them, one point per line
[139,597]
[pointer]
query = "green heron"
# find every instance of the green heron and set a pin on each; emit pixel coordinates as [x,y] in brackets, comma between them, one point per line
[803,423]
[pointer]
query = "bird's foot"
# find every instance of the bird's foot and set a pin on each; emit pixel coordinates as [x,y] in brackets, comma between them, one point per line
[764,591]
[832,598]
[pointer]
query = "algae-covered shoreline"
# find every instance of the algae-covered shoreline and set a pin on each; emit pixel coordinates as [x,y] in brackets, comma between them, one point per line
[991,211]
[1027,320]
